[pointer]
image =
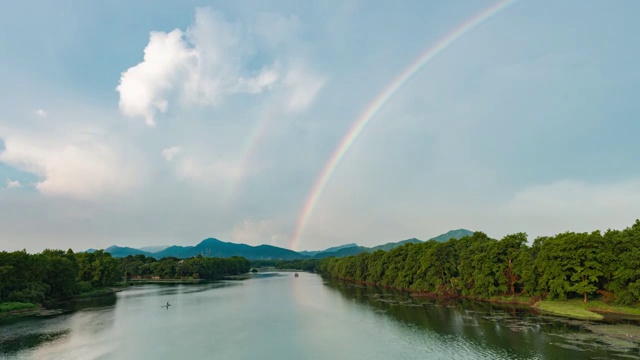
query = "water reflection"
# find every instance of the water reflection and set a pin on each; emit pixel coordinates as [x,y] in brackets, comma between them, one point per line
[517,330]
[19,342]
[280,316]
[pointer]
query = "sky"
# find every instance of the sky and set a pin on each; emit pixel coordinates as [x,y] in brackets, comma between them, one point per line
[137,124]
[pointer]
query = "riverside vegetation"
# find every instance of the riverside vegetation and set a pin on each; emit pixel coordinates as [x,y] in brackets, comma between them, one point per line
[570,274]
[28,281]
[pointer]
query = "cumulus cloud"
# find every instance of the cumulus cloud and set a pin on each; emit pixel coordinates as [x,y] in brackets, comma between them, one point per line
[170,153]
[69,166]
[41,113]
[143,88]
[13,184]
[210,60]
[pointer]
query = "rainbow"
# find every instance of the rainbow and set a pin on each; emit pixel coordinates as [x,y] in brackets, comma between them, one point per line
[375,106]
[248,150]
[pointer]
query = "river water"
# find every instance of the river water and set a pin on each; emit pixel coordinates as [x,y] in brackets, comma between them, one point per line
[279,316]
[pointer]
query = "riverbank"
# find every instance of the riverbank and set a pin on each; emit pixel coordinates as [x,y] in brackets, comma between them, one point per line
[10,309]
[98,293]
[51,307]
[166,281]
[591,310]
[188,280]
[573,309]
[18,309]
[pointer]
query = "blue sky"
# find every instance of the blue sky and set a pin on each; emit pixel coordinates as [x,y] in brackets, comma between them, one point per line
[527,123]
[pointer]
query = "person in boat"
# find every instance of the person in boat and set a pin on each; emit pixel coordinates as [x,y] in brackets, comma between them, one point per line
[296,275]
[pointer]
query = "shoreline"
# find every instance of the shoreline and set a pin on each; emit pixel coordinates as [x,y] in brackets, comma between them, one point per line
[572,309]
[165,281]
[50,308]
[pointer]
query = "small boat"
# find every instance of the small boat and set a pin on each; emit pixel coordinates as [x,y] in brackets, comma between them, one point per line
[296,275]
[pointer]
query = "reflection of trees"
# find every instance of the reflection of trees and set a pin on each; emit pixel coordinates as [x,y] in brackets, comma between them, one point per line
[18,343]
[519,331]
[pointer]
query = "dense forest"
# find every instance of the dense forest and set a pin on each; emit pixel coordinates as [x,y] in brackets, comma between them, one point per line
[310,265]
[54,274]
[57,275]
[199,267]
[568,265]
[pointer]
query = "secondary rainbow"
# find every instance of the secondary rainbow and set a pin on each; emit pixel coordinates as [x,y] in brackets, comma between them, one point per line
[375,106]
[249,148]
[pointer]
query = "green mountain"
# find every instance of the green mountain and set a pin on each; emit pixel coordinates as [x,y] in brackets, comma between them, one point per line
[453,234]
[153,249]
[348,251]
[215,248]
[389,246]
[117,251]
[331,249]
[354,250]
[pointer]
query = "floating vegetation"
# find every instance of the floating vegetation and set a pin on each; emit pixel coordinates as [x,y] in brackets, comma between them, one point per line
[626,332]
[601,340]
[568,347]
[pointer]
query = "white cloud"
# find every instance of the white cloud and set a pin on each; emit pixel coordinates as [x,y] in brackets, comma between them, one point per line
[143,88]
[13,184]
[303,86]
[209,61]
[170,153]
[41,113]
[69,166]
[263,81]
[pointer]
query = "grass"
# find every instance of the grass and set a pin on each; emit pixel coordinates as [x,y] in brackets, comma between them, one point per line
[591,310]
[512,299]
[601,307]
[568,309]
[13,306]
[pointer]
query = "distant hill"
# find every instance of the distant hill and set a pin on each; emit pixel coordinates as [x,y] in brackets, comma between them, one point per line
[331,249]
[348,251]
[153,249]
[453,234]
[117,251]
[354,250]
[216,248]
[389,246]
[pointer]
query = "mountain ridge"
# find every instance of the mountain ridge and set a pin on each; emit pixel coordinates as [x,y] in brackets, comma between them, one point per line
[212,247]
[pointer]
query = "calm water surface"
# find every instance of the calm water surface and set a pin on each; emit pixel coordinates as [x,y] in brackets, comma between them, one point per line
[278,316]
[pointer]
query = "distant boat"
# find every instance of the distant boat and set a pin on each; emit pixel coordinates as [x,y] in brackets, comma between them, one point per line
[296,275]
[166,306]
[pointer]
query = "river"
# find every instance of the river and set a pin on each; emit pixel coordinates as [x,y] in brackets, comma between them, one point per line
[279,316]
